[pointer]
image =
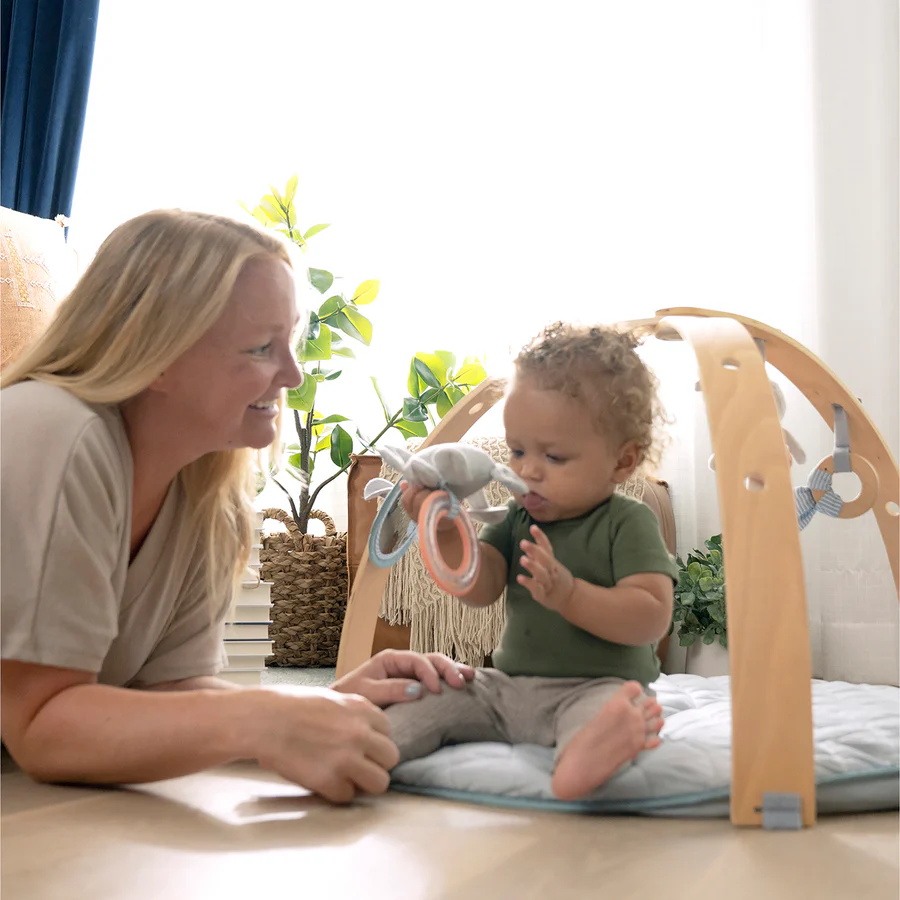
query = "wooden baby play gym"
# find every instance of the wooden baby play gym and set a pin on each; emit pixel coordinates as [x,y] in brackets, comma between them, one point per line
[772,729]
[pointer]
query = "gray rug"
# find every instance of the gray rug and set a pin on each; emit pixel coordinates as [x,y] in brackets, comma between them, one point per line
[308,677]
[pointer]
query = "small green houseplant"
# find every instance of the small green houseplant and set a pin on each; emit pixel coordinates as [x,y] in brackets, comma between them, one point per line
[699,611]
[435,381]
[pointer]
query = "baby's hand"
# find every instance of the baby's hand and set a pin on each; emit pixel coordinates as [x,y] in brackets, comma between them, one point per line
[412,497]
[551,583]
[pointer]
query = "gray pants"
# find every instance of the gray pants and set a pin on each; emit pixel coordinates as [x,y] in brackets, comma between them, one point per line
[512,709]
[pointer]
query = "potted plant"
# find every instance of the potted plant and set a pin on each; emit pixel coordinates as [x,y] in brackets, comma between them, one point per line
[310,571]
[699,610]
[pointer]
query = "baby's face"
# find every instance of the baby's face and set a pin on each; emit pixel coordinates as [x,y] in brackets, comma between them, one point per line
[556,450]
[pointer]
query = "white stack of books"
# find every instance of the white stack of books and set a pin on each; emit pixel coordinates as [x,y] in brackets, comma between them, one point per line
[247,641]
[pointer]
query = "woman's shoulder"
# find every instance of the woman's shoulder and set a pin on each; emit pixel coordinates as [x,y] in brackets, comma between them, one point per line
[36,399]
[47,421]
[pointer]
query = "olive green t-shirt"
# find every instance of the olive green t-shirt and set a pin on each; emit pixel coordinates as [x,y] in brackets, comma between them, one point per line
[618,538]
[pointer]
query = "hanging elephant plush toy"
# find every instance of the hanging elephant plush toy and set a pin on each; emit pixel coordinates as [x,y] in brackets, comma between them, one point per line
[455,472]
[793,449]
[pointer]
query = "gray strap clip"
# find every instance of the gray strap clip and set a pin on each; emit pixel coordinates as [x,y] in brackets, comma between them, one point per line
[841,455]
[781,812]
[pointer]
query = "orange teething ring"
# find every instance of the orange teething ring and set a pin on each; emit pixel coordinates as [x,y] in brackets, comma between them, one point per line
[459,580]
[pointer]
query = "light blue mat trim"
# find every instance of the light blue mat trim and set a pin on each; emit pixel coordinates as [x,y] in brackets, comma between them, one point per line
[860,798]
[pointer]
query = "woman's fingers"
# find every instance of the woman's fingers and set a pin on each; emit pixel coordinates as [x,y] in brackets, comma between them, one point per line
[429,669]
[366,709]
[382,751]
[456,674]
[368,777]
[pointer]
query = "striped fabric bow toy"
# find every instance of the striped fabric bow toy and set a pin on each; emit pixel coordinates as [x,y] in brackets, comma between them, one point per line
[806,504]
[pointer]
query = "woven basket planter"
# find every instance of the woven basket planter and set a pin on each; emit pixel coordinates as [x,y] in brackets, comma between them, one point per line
[309,592]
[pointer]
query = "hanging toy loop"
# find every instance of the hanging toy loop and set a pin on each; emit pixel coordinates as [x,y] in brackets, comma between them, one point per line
[820,479]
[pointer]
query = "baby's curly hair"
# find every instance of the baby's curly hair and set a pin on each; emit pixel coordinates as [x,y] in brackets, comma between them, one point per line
[598,366]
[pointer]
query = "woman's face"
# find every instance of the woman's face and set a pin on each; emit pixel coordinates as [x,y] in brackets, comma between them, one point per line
[223,390]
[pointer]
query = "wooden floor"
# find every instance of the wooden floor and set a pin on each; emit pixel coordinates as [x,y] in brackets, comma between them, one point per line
[238,832]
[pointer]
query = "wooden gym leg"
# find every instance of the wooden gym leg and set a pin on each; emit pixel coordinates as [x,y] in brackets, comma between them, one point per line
[768,635]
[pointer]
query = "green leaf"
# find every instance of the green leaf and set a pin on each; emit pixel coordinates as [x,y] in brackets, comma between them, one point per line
[342,351]
[303,397]
[411,429]
[341,446]
[414,411]
[314,230]
[331,306]
[709,636]
[294,460]
[449,361]
[353,323]
[687,639]
[366,292]
[694,572]
[421,376]
[384,409]
[257,213]
[320,279]
[329,419]
[448,398]
[318,348]
[706,584]
[324,443]
[291,190]
[436,363]
[312,332]
[302,477]
[470,374]
[332,375]
[272,208]
[430,395]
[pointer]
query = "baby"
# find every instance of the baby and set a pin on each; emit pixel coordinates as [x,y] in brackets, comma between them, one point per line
[589,581]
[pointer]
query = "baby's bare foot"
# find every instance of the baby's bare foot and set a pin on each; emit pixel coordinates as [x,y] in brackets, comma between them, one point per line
[617,734]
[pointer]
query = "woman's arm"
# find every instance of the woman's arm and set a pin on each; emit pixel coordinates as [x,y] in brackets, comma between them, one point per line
[60,725]
[199,682]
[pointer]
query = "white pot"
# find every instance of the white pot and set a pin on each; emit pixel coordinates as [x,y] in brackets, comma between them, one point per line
[707,659]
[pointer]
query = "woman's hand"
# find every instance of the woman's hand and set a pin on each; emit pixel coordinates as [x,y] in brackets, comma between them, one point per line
[397,676]
[334,744]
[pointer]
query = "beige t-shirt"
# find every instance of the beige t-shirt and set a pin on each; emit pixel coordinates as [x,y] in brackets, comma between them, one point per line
[69,596]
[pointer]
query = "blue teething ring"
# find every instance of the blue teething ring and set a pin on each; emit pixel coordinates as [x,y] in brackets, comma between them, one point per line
[380,558]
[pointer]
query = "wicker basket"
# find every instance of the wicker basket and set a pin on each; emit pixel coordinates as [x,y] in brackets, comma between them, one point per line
[309,594]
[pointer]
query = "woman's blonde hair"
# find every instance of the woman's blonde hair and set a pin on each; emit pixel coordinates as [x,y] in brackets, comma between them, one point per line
[156,285]
[598,365]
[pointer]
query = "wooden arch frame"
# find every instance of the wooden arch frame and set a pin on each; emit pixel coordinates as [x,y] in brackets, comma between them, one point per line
[772,744]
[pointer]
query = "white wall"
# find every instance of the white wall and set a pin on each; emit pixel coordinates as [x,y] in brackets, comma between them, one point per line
[853,602]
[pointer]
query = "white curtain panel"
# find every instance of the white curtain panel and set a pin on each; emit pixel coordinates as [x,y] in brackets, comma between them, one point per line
[501,165]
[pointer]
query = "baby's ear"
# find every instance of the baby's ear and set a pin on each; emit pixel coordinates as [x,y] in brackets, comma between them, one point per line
[629,459]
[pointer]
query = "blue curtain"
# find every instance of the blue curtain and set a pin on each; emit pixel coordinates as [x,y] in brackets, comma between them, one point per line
[47,47]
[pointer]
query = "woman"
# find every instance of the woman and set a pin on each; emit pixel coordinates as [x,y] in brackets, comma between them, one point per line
[128,432]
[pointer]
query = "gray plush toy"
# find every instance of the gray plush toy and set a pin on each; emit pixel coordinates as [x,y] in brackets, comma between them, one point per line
[462,469]
[794,449]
